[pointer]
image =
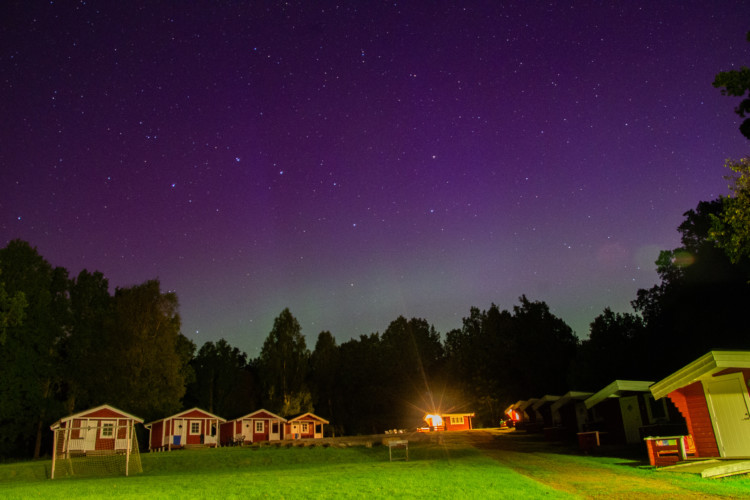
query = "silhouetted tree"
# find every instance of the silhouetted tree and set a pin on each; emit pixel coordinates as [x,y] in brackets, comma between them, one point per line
[30,375]
[735,83]
[85,351]
[541,349]
[366,409]
[324,368]
[614,350]
[700,301]
[12,309]
[147,364]
[223,383]
[283,366]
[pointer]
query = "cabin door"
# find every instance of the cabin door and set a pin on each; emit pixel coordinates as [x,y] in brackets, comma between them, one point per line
[89,432]
[180,436]
[247,430]
[729,405]
[631,419]
[274,433]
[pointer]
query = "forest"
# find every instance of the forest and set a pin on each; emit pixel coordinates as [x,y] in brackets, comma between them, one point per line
[67,344]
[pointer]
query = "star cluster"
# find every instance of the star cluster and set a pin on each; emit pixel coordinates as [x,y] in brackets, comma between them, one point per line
[360,161]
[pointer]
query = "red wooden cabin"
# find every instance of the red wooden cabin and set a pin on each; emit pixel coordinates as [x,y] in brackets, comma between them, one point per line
[619,410]
[260,425]
[194,427]
[457,421]
[570,415]
[712,394]
[305,426]
[104,428]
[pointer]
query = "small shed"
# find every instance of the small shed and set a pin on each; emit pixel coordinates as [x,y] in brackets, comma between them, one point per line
[620,410]
[100,429]
[570,412]
[543,409]
[712,394]
[513,413]
[193,427]
[448,422]
[260,425]
[458,421]
[527,416]
[525,408]
[305,426]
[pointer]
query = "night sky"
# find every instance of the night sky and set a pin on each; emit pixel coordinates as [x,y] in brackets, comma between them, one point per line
[358,161]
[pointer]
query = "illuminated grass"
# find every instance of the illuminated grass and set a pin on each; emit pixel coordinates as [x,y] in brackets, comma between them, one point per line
[450,470]
[432,471]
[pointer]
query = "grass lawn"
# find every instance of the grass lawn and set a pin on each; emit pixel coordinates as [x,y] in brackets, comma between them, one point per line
[455,468]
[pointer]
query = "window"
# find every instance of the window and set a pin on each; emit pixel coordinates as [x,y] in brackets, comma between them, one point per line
[259,426]
[318,428]
[305,427]
[457,420]
[195,427]
[275,427]
[107,430]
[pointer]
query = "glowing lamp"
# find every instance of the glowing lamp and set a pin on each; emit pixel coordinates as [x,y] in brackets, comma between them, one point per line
[433,420]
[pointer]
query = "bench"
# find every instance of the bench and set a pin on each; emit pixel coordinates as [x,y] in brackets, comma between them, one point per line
[668,450]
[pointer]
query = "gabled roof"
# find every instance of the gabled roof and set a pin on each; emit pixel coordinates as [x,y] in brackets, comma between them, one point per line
[257,412]
[616,389]
[514,406]
[525,404]
[568,397]
[185,414]
[104,411]
[702,368]
[308,416]
[547,399]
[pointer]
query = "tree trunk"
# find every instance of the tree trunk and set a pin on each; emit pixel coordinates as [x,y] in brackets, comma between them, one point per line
[38,443]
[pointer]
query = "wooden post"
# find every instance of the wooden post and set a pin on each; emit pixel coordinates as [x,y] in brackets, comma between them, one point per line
[54,453]
[128,435]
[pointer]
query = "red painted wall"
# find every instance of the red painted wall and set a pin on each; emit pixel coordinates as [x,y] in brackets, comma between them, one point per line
[691,401]
[157,434]
[457,427]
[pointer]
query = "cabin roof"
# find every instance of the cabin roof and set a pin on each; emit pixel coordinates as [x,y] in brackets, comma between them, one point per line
[702,368]
[570,396]
[547,399]
[256,412]
[184,414]
[617,389]
[90,411]
[308,416]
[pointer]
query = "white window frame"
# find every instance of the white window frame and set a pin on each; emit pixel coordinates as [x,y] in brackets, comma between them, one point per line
[103,426]
[457,420]
[190,428]
[259,427]
[305,427]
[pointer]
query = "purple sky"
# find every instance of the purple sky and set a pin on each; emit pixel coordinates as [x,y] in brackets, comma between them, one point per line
[364,160]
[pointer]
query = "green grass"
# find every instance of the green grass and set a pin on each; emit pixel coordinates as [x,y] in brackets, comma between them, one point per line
[448,471]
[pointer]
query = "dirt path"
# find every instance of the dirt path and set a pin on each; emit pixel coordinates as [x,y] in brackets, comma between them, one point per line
[540,461]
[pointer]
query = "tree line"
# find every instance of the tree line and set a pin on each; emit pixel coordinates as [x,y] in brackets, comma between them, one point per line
[67,344]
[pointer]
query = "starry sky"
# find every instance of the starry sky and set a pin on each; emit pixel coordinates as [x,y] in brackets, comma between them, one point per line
[357,161]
